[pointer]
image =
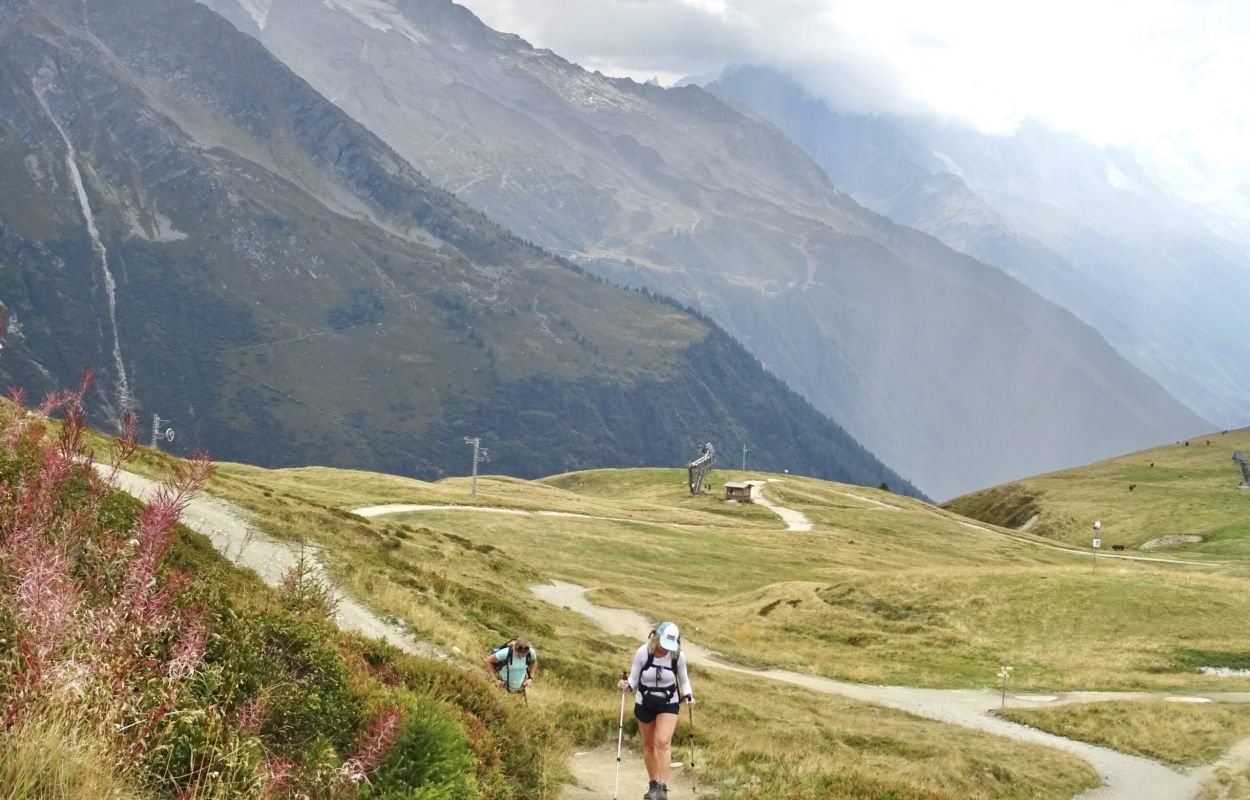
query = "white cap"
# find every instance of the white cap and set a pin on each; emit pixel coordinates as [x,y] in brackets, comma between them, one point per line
[670,637]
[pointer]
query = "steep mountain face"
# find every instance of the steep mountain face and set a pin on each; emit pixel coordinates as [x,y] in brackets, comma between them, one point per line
[1165,283]
[956,374]
[232,252]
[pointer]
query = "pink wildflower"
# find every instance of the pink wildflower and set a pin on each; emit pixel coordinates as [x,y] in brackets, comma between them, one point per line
[373,744]
[189,651]
[46,601]
[277,773]
[251,715]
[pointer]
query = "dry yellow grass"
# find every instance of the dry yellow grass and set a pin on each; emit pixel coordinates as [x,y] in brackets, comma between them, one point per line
[884,589]
[1177,489]
[1227,785]
[1183,735]
[49,757]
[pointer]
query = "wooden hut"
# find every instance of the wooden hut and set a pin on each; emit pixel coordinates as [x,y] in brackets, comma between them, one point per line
[740,492]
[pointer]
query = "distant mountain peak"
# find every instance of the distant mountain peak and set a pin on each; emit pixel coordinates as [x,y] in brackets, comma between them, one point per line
[925,354]
[1088,227]
[287,290]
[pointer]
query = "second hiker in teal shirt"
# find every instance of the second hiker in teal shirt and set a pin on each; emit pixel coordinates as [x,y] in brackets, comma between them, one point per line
[514,665]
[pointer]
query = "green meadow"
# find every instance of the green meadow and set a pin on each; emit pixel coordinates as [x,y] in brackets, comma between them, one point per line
[884,589]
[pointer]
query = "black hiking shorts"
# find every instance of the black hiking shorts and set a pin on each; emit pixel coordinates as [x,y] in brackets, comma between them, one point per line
[643,715]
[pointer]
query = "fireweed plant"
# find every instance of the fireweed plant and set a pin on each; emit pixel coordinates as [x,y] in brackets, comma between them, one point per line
[129,653]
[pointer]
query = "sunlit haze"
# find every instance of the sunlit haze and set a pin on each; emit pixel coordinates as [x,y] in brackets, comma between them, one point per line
[1169,79]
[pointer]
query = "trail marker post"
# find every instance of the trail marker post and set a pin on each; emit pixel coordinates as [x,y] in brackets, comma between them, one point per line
[1097,541]
[1005,674]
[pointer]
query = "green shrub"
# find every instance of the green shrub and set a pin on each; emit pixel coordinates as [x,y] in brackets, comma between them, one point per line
[200,749]
[431,760]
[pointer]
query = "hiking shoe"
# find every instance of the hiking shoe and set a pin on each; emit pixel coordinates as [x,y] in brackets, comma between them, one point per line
[653,791]
[661,791]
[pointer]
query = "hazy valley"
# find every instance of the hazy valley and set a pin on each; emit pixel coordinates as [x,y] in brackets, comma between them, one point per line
[914,348]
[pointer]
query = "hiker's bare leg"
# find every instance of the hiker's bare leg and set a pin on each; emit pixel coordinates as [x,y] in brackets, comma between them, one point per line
[660,751]
[647,729]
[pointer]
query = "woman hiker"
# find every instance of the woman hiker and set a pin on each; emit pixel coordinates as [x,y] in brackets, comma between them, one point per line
[659,671]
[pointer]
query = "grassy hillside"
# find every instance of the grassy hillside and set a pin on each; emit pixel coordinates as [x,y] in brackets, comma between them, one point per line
[136,663]
[460,578]
[1183,735]
[884,589]
[1185,488]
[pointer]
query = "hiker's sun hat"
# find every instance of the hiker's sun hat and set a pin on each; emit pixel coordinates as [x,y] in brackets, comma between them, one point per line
[670,636]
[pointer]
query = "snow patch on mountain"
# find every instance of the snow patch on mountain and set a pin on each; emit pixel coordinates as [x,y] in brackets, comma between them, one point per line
[155,227]
[379,16]
[949,164]
[258,10]
[1116,178]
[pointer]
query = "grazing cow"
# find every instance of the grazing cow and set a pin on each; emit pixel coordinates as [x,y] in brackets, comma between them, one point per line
[1117,547]
[1132,486]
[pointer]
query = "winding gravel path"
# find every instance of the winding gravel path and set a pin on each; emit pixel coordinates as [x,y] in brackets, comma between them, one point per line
[406,508]
[226,526]
[795,520]
[1124,777]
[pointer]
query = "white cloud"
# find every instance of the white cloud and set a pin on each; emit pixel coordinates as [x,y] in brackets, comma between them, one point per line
[1168,76]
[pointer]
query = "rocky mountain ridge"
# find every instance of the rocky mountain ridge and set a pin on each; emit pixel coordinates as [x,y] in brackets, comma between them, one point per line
[234,253]
[1089,228]
[941,364]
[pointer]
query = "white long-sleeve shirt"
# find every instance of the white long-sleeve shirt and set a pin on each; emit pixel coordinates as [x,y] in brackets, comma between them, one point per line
[661,678]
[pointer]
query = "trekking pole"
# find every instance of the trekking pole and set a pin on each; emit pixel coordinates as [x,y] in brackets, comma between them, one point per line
[694,778]
[620,736]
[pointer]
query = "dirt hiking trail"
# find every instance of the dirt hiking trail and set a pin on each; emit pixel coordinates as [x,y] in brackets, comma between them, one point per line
[1124,777]
[244,545]
[795,520]
[595,770]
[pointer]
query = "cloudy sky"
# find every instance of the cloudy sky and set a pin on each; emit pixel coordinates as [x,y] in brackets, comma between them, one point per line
[1165,77]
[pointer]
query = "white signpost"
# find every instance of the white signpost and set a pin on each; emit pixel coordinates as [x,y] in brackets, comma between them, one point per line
[1005,674]
[1097,541]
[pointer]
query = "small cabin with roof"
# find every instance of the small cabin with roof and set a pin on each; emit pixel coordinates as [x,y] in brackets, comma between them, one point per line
[740,492]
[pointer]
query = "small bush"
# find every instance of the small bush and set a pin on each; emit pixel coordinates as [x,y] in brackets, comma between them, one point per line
[431,759]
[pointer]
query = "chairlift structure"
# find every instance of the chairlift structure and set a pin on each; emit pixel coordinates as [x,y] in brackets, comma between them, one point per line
[700,467]
[1245,469]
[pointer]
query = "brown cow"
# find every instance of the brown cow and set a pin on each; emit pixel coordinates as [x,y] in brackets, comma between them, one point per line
[1117,547]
